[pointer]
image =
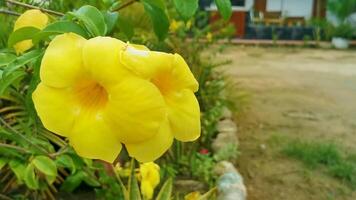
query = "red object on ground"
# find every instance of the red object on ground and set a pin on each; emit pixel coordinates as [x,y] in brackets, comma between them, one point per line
[204,151]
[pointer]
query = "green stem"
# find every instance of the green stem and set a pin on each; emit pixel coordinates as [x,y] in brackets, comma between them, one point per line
[8,12]
[10,146]
[124,5]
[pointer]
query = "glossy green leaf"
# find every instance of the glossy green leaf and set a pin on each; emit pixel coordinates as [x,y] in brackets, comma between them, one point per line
[18,168]
[60,27]
[45,165]
[186,8]
[158,17]
[6,58]
[91,180]
[224,7]
[111,19]
[67,162]
[30,177]
[92,19]
[133,189]
[166,191]
[21,34]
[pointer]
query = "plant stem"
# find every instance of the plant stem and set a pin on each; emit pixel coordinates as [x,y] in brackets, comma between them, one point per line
[8,12]
[10,146]
[124,5]
[34,7]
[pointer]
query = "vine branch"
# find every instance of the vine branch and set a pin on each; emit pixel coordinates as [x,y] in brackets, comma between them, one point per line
[8,12]
[14,147]
[34,7]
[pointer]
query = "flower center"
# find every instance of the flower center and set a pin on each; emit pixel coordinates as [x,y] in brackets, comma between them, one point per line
[91,94]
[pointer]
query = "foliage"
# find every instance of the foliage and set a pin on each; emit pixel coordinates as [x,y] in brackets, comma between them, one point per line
[342,8]
[34,161]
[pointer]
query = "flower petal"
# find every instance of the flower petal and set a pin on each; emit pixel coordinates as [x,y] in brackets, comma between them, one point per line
[183,75]
[34,18]
[184,115]
[159,65]
[154,147]
[55,108]
[62,63]
[136,109]
[101,59]
[145,63]
[92,138]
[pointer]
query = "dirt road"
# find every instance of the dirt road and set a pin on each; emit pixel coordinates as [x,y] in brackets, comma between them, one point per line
[297,93]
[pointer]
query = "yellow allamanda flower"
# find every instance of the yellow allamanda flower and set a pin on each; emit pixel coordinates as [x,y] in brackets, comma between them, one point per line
[103,92]
[34,18]
[149,178]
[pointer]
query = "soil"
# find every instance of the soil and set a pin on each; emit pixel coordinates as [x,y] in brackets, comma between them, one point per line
[308,94]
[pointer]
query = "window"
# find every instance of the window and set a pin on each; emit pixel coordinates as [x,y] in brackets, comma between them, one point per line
[238,2]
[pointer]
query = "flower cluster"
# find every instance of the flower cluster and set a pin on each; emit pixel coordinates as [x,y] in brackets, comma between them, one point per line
[102,93]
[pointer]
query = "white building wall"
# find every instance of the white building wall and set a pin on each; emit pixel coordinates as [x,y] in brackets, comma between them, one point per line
[291,8]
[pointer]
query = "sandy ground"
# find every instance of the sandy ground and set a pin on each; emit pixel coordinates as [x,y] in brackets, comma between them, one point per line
[298,93]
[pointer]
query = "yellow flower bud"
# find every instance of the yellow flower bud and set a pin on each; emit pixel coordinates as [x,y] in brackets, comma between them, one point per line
[33,18]
[149,178]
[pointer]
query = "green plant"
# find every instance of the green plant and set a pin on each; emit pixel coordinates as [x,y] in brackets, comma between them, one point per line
[342,8]
[317,155]
[228,152]
[343,31]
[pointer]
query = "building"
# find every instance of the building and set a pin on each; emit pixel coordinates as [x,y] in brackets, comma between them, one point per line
[260,18]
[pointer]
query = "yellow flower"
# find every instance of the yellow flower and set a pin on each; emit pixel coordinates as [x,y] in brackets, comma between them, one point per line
[209,37]
[189,24]
[96,93]
[174,26]
[33,18]
[149,178]
[172,76]
[192,196]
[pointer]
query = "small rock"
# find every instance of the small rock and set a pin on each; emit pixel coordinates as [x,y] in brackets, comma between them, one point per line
[226,125]
[230,184]
[224,138]
[188,186]
[226,114]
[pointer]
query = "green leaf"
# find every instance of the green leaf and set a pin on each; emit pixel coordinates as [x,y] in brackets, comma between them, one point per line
[158,17]
[110,20]
[24,33]
[126,26]
[67,162]
[91,180]
[224,7]
[6,58]
[186,8]
[60,27]
[73,181]
[92,19]
[6,81]
[133,189]
[166,190]
[30,177]
[21,61]
[18,168]
[45,165]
